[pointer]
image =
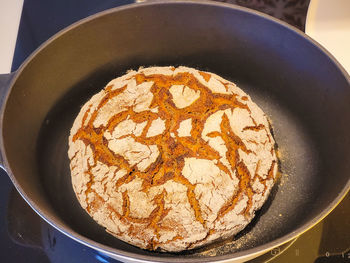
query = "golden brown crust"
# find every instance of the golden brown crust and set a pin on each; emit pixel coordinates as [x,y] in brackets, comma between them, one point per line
[171,158]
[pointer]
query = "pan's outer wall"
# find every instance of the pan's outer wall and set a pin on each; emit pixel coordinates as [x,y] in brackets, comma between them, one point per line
[220,38]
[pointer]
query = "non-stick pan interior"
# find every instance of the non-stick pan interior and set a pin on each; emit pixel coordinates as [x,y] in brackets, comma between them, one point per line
[302,90]
[286,205]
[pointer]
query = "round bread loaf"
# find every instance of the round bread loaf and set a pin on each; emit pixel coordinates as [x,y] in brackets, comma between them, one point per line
[171,158]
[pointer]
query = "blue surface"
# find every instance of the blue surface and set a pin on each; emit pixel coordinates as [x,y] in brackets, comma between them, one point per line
[41,19]
[26,238]
[10,250]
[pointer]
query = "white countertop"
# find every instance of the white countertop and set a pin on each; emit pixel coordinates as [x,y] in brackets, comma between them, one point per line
[328,22]
[10,14]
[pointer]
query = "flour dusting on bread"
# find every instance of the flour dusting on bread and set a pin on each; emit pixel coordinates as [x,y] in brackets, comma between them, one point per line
[171,158]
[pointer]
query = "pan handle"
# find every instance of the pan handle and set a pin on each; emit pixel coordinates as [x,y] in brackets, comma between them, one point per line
[5,85]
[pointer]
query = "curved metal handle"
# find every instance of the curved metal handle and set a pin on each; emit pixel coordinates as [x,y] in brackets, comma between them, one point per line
[5,84]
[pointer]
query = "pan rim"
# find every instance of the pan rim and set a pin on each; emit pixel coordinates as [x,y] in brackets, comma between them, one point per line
[115,252]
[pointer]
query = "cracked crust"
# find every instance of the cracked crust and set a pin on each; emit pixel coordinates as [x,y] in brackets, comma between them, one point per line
[171,158]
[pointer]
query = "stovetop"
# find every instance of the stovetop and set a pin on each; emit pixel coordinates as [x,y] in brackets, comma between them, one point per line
[25,237]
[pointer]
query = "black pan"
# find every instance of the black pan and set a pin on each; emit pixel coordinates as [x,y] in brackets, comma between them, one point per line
[305,92]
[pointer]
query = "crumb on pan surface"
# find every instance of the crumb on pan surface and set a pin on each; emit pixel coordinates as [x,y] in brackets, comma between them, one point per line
[171,158]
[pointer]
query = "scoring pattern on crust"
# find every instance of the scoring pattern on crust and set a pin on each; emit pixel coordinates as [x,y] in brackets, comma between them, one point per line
[171,158]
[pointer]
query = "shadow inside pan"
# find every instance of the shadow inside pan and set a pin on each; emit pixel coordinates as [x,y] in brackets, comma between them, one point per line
[282,212]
